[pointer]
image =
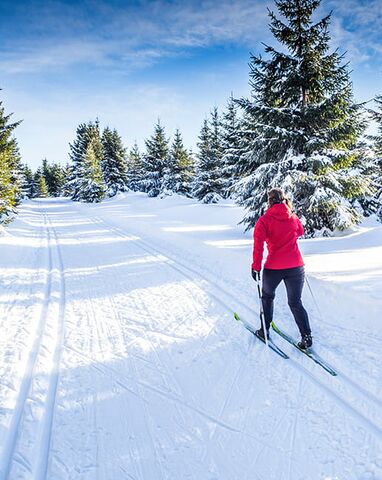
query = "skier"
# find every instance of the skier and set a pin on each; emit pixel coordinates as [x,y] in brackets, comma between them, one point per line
[280,228]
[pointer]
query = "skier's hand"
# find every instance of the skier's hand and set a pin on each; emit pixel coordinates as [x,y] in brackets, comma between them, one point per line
[256,275]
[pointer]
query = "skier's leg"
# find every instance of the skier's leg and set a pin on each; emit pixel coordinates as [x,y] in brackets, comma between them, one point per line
[294,282]
[271,280]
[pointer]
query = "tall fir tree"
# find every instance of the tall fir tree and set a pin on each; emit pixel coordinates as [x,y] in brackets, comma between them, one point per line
[92,187]
[41,187]
[28,185]
[66,188]
[231,142]
[305,125]
[154,161]
[57,180]
[135,169]
[208,185]
[10,168]
[376,115]
[178,171]
[114,163]
[373,203]
[85,180]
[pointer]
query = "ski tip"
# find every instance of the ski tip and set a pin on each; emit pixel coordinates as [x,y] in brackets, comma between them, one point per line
[236,316]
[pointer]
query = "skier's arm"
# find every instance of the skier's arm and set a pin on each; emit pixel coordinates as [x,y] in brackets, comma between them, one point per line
[300,228]
[259,235]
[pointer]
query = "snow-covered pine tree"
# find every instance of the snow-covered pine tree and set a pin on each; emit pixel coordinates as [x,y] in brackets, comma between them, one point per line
[376,114]
[178,170]
[76,155]
[134,169]
[114,164]
[208,185]
[57,179]
[154,161]
[54,177]
[92,187]
[231,141]
[86,164]
[45,171]
[373,203]
[28,186]
[10,184]
[41,187]
[67,172]
[305,125]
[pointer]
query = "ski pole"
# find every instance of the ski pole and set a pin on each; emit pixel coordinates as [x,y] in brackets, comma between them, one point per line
[262,311]
[314,298]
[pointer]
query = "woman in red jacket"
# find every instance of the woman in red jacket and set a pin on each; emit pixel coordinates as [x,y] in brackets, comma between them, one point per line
[280,228]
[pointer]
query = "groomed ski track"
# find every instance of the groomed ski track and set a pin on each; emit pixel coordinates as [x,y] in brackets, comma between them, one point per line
[122,360]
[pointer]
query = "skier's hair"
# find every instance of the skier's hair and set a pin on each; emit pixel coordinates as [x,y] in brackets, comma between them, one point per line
[276,195]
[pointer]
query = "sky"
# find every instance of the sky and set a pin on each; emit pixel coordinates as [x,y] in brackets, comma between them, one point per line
[130,63]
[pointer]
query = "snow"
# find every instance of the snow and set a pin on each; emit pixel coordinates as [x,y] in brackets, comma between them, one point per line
[120,358]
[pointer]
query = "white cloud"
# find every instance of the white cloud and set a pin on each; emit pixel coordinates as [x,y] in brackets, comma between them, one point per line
[131,37]
[138,37]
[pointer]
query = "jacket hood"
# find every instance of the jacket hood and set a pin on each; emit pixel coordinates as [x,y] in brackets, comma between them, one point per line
[279,211]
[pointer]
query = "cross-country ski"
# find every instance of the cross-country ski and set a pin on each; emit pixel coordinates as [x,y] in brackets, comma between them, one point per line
[271,344]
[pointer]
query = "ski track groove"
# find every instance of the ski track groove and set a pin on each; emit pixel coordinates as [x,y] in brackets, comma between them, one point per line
[294,429]
[44,458]
[27,380]
[11,287]
[180,266]
[270,437]
[345,378]
[230,390]
[48,404]
[163,370]
[132,455]
[107,370]
[96,348]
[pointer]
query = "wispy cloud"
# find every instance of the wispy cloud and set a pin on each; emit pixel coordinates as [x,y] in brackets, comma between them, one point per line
[357,27]
[60,34]
[137,36]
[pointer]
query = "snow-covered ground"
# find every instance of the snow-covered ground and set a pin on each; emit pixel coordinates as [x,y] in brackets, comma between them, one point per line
[120,358]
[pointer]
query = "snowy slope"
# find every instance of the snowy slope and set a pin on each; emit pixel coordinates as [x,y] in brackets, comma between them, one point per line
[120,359]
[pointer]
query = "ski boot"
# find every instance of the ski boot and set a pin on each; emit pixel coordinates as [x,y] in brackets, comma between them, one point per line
[305,342]
[260,334]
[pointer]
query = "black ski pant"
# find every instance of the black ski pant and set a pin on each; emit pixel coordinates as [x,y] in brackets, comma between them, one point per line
[294,282]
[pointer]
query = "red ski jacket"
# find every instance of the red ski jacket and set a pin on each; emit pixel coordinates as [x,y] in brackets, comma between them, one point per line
[280,229]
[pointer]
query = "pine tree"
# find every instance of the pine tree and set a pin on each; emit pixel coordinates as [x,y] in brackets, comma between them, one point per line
[67,172]
[305,125]
[92,187]
[41,187]
[114,164]
[28,186]
[208,185]
[178,171]
[135,169]
[154,161]
[373,163]
[377,117]
[10,182]
[57,180]
[86,164]
[231,147]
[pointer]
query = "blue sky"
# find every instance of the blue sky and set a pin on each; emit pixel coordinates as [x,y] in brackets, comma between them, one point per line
[130,62]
